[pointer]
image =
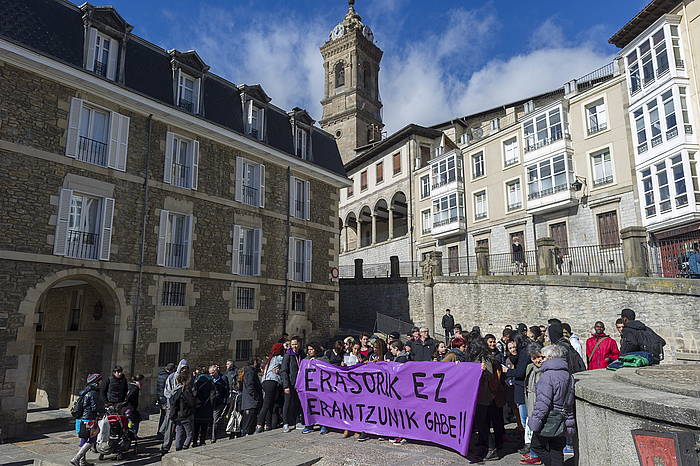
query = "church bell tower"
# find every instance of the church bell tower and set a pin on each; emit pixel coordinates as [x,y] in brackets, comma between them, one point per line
[351,103]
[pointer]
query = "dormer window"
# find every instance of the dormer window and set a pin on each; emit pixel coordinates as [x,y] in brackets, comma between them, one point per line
[302,142]
[188,93]
[255,124]
[102,54]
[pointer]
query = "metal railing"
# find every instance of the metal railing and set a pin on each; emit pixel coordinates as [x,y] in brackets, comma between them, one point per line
[656,140]
[508,263]
[186,105]
[556,136]
[642,148]
[92,151]
[589,260]
[245,298]
[459,266]
[597,76]
[250,195]
[515,206]
[100,68]
[175,255]
[549,191]
[386,324]
[181,175]
[672,133]
[673,258]
[601,181]
[597,128]
[445,180]
[246,264]
[680,65]
[82,244]
[446,221]
[688,129]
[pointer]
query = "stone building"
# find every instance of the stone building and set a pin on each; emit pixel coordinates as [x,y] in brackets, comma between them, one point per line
[151,209]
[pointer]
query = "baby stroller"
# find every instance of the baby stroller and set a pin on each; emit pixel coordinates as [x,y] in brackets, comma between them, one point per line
[114,438]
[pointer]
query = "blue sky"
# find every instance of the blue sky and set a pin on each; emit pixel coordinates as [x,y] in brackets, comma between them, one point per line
[442,58]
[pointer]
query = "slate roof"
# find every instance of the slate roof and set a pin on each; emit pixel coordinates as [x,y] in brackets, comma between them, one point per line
[54,28]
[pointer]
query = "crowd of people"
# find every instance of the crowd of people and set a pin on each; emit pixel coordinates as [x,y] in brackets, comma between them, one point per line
[526,380]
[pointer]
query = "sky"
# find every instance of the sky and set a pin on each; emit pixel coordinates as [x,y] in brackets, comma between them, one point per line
[442,58]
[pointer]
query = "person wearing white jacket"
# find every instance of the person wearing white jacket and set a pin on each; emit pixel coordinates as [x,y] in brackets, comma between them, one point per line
[575,341]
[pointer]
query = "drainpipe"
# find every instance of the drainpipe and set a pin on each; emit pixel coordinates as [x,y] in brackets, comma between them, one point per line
[144,222]
[409,207]
[286,275]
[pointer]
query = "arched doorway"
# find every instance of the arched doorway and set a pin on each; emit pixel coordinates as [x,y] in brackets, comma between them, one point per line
[399,211]
[365,222]
[350,232]
[381,214]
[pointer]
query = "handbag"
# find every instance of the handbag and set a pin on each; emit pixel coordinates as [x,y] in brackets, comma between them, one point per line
[555,423]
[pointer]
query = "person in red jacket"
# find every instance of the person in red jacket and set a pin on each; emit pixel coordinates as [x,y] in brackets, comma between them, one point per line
[601,349]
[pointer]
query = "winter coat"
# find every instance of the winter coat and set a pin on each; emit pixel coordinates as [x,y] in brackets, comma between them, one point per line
[93,404]
[448,322]
[231,376]
[334,358]
[422,350]
[461,357]
[402,357]
[183,404]
[171,384]
[132,401]
[633,338]
[573,359]
[532,375]
[160,387]
[272,370]
[221,385]
[252,389]
[575,342]
[202,389]
[290,369]
[554,391]
[606,352]
[115,389]
[517,375]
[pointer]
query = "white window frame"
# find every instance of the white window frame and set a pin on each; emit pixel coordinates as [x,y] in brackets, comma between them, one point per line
[165,238]
[608,177]
[174,158]
[554,188]
[480,199]
[520,204]
[446,170]
[182,79]
[300,198]
[302,142]
[534,139]
[475,163]
[653,194]
[656,131]
[425,186]
[254,174]
[300,271]
[514,149]
[95,248]
[596,122]
[448,208]
[255,120]
[426,221]
[636,59]
[247,241]
[95,41]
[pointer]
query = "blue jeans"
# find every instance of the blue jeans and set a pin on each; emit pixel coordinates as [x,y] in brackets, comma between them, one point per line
[522,410]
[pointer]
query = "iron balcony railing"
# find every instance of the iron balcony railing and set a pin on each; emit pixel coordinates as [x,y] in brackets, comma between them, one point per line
[92,151]
[442,181]
[662,71]
[175,255]
[515,206]
[299,209]
[603,73]
[100,68]
[602,181]
[672,133]
[480,216]
[245,298]
[688,129]
[642,148]
[186,105]
[181,175]
[509,263]
[549,191]
[556,136]
[672,258]
[510,162]
[82,244]
[680,65]
[246,264]
[656,140]
[446,221]
[599,259]
[597,128]
[250,195]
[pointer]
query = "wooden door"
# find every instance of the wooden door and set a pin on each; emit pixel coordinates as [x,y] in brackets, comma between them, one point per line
[36,371]
[69,363]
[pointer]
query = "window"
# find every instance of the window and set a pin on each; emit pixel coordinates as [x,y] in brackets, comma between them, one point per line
[187,92]
[300,251]
[339,74]
[647,63]
[424,186]
[543,129]
[245,297]
[446,171]
[244,350]
[96,135]
[684,110]
[602,168]
[558,232]
[83,226]
[426,221]
[664,191]
[652,58]
[246,251]
[676,45]
[300,199]
[424,155]
[255,120]
[596,117]
[102,54]
[495,124]
[549,176]
[511,154]
[660,52]
[649,119]
[76,304]
[514,195]
[174,239]
[480,207]
[633,67]
[448,209]
[453,259]
[669,114]
[350,189]
[302,143]
[478,168]
[298,301]
[679,185]
[482,243]
[379,167]
[181,161]
[396,161]
[250,182]
[695,178]
[655,123]
[608,229]
[168,352]
[363,180]
[648,186]
[529,106]
[173,294]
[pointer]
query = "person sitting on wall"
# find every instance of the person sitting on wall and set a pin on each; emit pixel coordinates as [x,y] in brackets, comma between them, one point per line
[638,337]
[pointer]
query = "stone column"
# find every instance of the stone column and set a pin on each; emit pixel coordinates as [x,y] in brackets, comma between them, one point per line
[374,228]
[358,268]
[432,267]
[545,256]
[391,223]
[634,251]
[359,235]
[394,262]
[482,260]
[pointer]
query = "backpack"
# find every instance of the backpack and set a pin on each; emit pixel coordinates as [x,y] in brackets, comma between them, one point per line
[77,410]
[652,343]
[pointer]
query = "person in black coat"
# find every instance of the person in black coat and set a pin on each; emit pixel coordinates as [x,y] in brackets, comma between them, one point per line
[221,385]
[131,403]
[251,398]
[448,324]
[160,389]
[183,404]
[423,348]
[115,387]
[573,359]
[204,391]
[289,372]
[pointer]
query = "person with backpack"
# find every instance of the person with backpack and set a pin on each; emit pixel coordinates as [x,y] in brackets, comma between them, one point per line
[86,410]
[251,396]
[555,332]
[601,349]
[131,403]
[205,392]
[219,401]
[183,404]
[638,337]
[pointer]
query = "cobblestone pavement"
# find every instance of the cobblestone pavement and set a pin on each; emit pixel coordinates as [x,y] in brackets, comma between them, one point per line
[59,446]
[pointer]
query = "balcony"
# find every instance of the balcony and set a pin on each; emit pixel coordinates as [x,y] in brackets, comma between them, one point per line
[100,68]
[656,140]
[250,195]
[175,255]
[446,184]
[92,151]
[597,128]
[181,175]
[515,206]
[186,105]
[602,181]
[550,199]
[82,244]
[448,227]
[247,264]
[556,143]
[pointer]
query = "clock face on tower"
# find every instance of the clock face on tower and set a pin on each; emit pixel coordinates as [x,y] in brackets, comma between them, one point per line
[337,32]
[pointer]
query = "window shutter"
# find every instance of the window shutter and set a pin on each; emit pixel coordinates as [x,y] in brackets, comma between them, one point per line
[106,237]
[235,258]
[307,260]
[188,240]
[195,164]
[91,43]
[76,110]
[292,196]
[112,65]
[307,200]
[261,170]
[61,235]
[162,232]
[168,168]
[257,238]
[249,117]
[197,87]
[261,116]
[176,81]
[239,180]
[290,259]
[118,140]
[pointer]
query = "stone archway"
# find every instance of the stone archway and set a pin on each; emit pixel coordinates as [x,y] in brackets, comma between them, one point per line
[68,344]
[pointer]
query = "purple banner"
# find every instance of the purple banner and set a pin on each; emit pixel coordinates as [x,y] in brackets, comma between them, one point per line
[432,401]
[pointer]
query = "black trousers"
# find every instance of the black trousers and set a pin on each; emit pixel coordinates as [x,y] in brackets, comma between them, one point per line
[448,335]
[549,449]
[248,421]
[271,391]
[486,417]
[200,432]
[217,420]
[292,407]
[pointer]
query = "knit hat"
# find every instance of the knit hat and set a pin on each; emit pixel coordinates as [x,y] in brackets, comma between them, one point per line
[555,332]
[93,378]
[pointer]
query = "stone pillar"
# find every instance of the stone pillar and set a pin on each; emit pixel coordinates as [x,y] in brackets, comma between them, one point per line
[545,256]
[634,251]
[391,223]
[358,268]
[432,267]
[482,260]
[374,228]
[394,262]
[359,234]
